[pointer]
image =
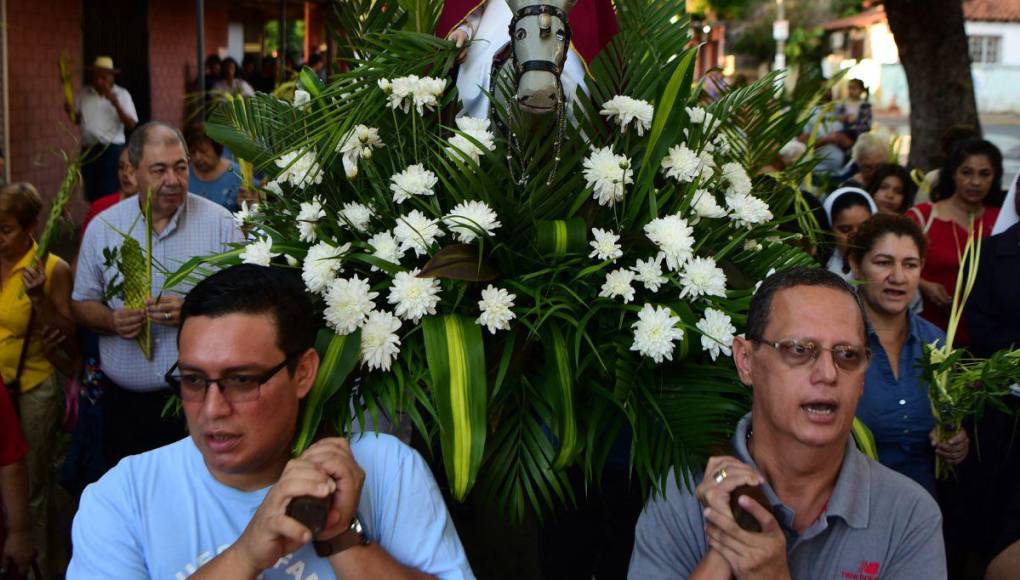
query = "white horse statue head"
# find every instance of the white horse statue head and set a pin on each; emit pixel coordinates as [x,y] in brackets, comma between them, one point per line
[540,37]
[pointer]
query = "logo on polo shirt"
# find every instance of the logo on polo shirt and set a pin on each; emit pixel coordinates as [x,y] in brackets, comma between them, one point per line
[865,571]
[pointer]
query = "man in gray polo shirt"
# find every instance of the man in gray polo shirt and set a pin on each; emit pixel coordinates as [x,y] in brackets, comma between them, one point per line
[184,226]
[834,512]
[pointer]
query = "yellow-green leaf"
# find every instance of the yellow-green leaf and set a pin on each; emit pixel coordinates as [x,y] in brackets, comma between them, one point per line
[456,358]
[557,238]
[337,356]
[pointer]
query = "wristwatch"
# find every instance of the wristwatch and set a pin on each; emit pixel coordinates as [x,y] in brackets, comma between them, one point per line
[353,536]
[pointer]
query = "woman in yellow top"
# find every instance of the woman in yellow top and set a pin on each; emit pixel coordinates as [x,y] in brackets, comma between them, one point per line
[46,292]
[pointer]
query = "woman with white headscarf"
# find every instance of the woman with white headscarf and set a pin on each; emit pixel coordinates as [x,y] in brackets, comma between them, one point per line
[846,209]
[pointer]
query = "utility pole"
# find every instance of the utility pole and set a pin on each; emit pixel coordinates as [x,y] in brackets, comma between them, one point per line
[780,32]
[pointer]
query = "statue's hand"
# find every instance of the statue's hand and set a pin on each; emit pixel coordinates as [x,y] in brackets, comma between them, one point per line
[460,37]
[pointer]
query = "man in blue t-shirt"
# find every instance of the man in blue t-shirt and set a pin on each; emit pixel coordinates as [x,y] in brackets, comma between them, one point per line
[213,505]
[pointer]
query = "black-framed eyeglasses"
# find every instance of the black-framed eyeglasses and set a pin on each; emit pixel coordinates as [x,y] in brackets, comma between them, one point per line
[235,387]
[796,353]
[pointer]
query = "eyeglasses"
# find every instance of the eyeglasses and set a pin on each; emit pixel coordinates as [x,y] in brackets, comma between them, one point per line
[797,353]
[235,388]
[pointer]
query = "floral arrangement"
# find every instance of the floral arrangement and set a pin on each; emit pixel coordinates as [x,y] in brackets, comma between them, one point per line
[525,323]
[960,386]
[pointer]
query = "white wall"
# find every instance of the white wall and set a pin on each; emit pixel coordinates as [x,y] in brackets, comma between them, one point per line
[1010,33]
[235,41]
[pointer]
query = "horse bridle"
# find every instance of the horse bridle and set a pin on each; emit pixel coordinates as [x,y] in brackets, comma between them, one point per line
[509,51]
[540,65]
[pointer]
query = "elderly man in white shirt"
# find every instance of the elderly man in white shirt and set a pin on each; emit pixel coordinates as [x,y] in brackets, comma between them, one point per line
[104,111]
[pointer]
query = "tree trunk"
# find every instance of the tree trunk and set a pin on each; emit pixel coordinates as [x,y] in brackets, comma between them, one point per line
[934,52]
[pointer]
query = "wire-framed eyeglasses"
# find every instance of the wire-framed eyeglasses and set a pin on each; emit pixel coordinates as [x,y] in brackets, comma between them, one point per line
[236,387]
[795,353]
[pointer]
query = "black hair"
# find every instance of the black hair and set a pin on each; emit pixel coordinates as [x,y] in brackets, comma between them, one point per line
[314,59]
[140,138]
[251,289]
[196,134]
[879,225]
[946,186]
[213,59]
[894,170]
[864,87]
[761,302]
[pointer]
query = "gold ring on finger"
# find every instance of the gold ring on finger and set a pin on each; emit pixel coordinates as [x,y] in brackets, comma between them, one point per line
[720,475]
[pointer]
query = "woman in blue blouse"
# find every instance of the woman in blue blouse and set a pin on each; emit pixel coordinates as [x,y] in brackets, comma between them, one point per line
[886,255]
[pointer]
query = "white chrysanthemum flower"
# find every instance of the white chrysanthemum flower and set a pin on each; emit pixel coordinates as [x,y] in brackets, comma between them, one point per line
[702,277]
[301,98]
[321,265]
[607,174]
[414,297]
[469,218]
[416,231]
[348,303]
[736,176]
[415,180]
[273,187]
[747,210]
[682,164]
[357,144]
[386,247]
[379,341]
[427,91]
[299,168]
[655,332]
[400,91]
[308,216]
[246,214]
[721,144]
[707,165]
[355,216]
[605,246]
[477,129]
[618,283]
[495,307]
[705,205]
[701,116]
[673,237]
[716,333]
[624,110]
[260,252]
[649,273]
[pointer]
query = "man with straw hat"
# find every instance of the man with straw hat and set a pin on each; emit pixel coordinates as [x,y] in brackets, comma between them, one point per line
[104,111]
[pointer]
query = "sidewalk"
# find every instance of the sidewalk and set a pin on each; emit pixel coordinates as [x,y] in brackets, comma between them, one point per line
[1001,129]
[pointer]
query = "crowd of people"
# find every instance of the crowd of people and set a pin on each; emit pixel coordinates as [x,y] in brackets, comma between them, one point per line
[204,490]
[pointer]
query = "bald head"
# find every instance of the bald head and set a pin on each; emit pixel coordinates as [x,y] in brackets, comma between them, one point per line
[152,133]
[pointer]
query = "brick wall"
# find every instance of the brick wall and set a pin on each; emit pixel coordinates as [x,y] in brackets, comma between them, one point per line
[172,58]
[37,32]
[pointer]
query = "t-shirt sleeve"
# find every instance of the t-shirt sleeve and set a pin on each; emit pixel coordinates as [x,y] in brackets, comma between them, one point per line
[920,553]
[88,279]
[669,540]
[409,520]
[12,444]
[105,532]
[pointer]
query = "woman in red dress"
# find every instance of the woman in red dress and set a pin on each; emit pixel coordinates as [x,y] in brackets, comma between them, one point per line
[973,170]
